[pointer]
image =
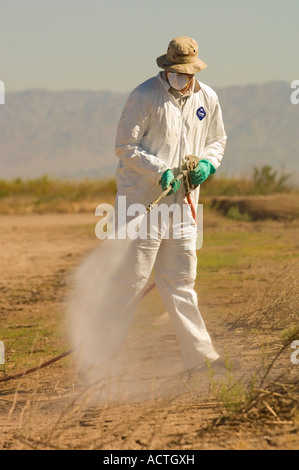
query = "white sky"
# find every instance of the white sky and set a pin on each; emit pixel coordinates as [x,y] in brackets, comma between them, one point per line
[113,44]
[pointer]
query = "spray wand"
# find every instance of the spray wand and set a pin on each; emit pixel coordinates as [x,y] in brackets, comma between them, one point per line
[191,162]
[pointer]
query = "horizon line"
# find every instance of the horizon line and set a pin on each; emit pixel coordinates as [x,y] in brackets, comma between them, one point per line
[103,90]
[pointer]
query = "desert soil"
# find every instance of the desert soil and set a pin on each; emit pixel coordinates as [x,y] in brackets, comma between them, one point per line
[51,409]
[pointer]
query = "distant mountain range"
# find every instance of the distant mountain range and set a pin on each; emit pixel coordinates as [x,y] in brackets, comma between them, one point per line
[72,133]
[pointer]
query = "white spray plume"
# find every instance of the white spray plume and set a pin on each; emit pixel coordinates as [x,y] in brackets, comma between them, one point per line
[99,318]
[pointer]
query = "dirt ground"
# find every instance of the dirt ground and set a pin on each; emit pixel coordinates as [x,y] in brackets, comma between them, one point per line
[158,408]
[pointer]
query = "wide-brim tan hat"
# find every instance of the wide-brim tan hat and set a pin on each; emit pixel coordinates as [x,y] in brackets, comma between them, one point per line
[182,57]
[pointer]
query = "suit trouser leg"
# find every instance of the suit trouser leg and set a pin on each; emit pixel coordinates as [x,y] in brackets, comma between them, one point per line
[175,273]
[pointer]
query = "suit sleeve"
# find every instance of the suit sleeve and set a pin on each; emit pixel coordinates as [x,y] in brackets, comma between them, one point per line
[133,124]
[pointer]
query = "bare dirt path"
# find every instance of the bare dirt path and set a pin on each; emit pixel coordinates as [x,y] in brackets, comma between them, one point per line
[50,409]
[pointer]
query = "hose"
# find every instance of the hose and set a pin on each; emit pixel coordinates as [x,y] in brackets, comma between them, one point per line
[34,369]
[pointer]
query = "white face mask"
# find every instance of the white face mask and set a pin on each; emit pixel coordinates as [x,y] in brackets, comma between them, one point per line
[178,81]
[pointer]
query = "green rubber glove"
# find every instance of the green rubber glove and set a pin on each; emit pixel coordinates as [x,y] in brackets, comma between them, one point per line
[203,169]
[166,179]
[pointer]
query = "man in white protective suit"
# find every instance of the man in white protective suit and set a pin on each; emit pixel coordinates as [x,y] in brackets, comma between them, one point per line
[164,119]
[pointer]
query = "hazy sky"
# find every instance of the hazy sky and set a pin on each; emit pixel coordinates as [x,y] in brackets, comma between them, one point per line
[113,44]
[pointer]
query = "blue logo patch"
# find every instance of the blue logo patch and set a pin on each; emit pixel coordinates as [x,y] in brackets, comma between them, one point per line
[201,113]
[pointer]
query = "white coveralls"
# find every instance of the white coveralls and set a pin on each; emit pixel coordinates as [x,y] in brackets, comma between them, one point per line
[154,134]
